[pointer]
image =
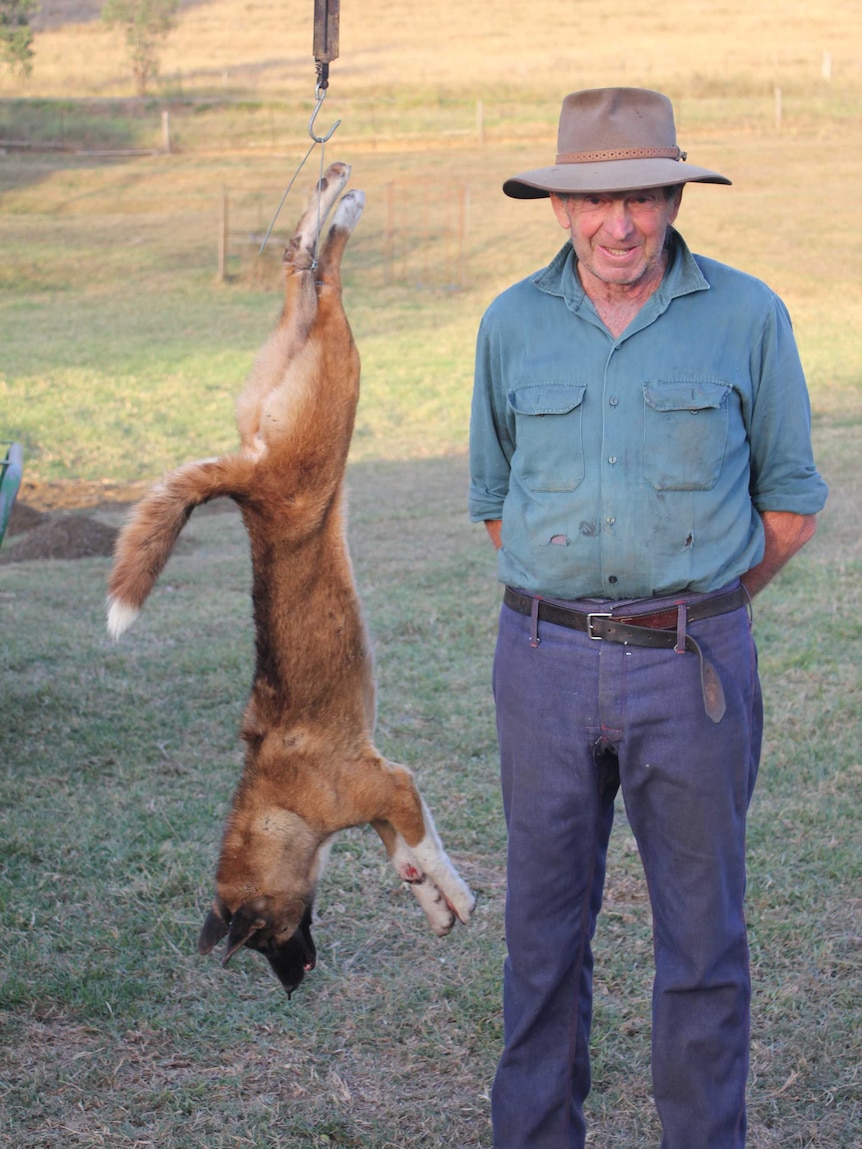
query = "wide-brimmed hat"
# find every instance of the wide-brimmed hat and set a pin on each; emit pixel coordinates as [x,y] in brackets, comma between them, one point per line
[612,140]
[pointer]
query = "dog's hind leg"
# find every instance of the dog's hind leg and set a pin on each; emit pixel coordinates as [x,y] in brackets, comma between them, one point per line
[344,220]
[290,338]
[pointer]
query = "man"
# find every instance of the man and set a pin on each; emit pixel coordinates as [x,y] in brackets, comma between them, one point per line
[641,458]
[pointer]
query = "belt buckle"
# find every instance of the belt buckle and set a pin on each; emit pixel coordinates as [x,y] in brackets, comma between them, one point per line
[590,617]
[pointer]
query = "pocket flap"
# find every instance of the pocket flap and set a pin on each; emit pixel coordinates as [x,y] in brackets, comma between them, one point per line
[547,398]
[689,396]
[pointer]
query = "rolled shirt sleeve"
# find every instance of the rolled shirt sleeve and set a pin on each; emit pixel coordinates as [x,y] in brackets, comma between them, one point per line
[491,446]
[783,473]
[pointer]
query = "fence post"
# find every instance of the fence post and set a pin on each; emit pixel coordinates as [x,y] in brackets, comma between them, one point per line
[166,132]
[463,228]
[389,236]
[223,236]
[778,108]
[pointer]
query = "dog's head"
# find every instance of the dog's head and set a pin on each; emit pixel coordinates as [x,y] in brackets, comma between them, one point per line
[270,864]
[287,946]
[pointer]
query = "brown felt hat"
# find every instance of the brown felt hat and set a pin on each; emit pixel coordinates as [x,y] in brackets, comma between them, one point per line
[612,140]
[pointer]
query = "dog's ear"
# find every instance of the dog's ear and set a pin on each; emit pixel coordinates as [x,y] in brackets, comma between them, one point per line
[239,927]
[244,924]
[309,949]
[214,928]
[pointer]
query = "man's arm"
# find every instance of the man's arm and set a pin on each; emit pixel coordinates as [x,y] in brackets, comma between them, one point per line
[494,527]
[786,533]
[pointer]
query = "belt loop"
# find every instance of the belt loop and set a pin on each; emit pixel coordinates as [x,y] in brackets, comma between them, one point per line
[681,620]
[534,624]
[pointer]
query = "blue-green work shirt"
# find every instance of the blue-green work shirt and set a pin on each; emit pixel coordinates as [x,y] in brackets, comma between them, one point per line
[637,466]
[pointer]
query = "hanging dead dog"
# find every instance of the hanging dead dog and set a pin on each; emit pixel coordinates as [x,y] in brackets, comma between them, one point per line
[311,768]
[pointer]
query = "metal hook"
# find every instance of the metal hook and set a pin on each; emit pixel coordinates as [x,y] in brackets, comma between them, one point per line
[320,96]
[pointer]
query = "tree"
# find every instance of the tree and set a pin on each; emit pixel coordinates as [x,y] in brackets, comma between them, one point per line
[16,35]
[146,24]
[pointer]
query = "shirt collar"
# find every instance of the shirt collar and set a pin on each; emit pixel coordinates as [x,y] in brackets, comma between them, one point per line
[682,277]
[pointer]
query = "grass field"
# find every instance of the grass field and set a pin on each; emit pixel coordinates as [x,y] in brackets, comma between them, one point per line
[120,355]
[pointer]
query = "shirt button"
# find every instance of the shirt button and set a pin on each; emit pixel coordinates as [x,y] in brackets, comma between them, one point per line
[612,459]
[612,578]
[610,520]
[613,401]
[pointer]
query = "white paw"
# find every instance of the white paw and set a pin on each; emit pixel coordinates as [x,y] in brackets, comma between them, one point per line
[349,210]
[439,889]
[461,898]
[432,860]
[434,905]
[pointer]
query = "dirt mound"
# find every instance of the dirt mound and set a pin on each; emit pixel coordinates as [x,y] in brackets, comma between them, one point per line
[65,537]
[44,531]
[24,518]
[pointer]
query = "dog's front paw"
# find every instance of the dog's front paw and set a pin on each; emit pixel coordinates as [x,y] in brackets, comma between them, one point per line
[441,917]
[443,904]
[461,899]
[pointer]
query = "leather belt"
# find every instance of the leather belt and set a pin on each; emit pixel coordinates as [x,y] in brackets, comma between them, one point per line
[664,629]
[605,624]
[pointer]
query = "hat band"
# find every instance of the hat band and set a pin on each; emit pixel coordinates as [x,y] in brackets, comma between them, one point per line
[673,153]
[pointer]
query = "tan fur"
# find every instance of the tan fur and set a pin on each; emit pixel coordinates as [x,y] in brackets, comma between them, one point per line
[311,768]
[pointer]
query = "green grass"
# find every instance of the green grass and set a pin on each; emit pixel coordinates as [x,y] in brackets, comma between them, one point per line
[102,896]
[81,125]
[119,764]
[121,356]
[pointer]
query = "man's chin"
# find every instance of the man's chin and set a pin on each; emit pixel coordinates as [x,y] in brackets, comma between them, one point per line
[628,270]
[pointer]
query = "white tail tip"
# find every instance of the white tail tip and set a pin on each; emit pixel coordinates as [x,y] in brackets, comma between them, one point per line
[120,617]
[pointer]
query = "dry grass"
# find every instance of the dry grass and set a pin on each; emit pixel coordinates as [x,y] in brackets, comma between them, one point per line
[692,49]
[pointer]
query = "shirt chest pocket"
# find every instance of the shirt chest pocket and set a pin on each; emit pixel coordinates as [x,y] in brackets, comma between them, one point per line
[548,435]
[685,434]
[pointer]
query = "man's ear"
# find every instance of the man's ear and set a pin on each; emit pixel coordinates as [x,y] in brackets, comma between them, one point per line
[675,204]
[560,204]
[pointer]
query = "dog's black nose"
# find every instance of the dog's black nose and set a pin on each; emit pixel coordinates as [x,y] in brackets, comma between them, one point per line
[295,958]
[289,963]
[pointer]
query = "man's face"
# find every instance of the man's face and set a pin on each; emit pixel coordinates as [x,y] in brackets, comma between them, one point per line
[618,237]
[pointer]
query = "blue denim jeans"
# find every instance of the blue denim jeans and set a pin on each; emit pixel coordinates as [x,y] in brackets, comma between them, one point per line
[577,720]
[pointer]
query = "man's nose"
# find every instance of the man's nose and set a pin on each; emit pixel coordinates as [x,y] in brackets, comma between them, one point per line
[618,220]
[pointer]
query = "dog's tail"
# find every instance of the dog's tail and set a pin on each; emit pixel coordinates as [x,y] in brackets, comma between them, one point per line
[147,539]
